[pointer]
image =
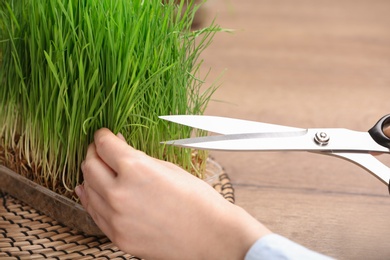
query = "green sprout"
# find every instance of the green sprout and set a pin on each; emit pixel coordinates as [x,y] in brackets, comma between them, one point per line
[70,67]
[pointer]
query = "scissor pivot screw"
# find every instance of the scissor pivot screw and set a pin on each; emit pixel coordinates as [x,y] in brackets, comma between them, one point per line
[321,138]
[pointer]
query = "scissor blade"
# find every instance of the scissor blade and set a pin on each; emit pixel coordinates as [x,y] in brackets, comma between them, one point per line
[225,125]
[368,162]
[341,140]
[244,142]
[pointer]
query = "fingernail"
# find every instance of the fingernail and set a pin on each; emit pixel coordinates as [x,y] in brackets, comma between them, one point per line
[82,166]
[121,136]
[78,191]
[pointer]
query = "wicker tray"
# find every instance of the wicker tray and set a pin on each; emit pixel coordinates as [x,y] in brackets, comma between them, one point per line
[26,233]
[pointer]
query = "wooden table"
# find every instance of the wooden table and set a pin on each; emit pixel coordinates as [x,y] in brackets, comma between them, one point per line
[306,63]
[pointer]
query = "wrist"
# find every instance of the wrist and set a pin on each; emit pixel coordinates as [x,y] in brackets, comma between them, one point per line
[239,232]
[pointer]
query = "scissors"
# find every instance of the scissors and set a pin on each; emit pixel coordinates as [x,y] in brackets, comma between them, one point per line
[243,135]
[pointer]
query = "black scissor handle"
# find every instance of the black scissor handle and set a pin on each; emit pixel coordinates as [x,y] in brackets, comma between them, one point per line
[377,133]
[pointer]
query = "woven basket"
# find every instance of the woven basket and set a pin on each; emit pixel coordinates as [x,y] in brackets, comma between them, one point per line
[26,233]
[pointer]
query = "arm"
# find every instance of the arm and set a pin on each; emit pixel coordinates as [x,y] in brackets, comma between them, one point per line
[147,207]
[276,247]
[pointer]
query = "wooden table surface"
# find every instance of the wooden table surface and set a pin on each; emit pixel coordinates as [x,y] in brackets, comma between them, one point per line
[306,63]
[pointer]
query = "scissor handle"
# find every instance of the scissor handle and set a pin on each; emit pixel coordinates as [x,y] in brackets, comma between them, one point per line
[377,133]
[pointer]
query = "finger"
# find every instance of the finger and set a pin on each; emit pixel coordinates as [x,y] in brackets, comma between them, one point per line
[81,194]
[112,149]
[98,174]
[97,206]
[120,136]
[85,198]
[386,130]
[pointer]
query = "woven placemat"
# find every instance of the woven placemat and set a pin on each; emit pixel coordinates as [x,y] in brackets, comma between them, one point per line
[26,233]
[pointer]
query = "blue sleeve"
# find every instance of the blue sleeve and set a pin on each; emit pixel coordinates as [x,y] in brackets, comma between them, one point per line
[276,247]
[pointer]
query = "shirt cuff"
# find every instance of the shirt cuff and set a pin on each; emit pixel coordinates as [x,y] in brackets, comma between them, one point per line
[274,246]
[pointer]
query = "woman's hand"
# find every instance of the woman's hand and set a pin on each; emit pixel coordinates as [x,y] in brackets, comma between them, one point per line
[156,210]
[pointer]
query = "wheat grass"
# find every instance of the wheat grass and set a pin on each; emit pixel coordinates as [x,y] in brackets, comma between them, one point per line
[70,67]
